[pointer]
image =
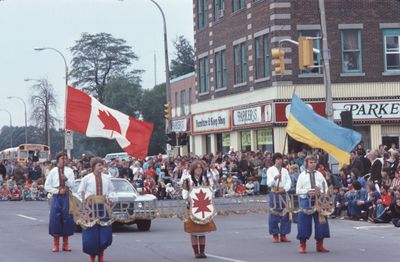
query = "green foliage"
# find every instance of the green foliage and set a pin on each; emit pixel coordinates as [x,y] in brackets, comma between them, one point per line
[183,63]
[152,109]
[99,58]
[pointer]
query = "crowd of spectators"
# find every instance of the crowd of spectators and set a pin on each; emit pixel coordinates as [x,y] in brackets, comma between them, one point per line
[366,189]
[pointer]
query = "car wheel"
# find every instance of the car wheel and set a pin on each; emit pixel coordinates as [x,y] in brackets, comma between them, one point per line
[143,225]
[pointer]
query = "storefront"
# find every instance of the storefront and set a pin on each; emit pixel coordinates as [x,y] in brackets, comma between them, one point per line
[180,127]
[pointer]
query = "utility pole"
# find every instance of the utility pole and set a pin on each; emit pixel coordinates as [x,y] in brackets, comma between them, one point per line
[325,59]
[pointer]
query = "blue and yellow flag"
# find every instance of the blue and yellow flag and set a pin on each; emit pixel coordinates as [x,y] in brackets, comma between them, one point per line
[308,127]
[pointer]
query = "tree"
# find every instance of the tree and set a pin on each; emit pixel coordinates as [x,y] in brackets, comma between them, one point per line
[125,96]
[153,111]
[99,58]
[184,60]
[44,106]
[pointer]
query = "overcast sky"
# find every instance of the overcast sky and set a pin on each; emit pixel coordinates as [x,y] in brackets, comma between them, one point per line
[25,24]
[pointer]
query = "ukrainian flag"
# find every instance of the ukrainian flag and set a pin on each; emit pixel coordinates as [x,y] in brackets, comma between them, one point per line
[307,127]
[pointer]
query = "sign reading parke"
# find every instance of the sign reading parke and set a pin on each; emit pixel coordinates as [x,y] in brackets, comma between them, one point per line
[213,121]
[247,116]
[369,110]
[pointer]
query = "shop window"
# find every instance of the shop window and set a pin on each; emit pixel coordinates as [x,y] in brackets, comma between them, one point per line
[265,140]
[246,141]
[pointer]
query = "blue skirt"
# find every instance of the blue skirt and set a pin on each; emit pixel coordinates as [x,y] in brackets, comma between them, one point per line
[61,221]
[97,237]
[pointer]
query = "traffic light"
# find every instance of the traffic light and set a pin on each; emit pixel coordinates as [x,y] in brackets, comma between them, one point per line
[168,111]
[171,138]
[278,54]
[306,55]
[183,139]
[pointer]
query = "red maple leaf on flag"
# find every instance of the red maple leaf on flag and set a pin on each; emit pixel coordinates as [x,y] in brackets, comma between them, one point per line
[109,121]
[201,203]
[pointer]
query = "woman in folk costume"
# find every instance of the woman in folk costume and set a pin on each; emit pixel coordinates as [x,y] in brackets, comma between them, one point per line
[309,184]
[58,182]
[197,232]
[97,186]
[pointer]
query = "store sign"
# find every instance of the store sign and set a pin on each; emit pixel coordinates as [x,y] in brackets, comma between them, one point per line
[247,116]
[371,110]
[226,139]
[213,121]
[264,136]
[179,125]
[282,110]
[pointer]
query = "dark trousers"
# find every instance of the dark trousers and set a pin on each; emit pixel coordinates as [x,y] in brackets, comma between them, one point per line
[61,221]
[304,224]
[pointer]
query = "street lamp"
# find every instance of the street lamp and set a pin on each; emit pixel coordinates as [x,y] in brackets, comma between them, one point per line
[9,114]
[66,91]
[26,124]
[167,82]
[47,111]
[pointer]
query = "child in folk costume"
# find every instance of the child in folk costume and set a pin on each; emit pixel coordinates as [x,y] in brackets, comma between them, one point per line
[278,179]
[59,180]
[310,183]
[97,185]
[197,231]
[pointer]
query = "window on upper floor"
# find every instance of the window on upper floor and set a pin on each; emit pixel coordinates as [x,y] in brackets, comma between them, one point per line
[176,104]
[190,99]
[351,51]
[220,69]
[262,59]
[203,75]
[240,63]
[391,42]
[183,102]
[219,9]
[237,5]
[317,68]
[201,14]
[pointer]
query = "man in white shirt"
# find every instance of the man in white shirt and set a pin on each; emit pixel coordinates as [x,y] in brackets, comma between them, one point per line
[97,238]
[58,182]
[279,181]
[310,183]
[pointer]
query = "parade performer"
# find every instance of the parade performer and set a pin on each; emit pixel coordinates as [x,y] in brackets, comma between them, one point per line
[96,187]
[309,185]
[59,180]
[196,228]
[279,181]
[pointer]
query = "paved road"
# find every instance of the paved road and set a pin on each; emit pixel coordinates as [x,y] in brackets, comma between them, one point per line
[24,237]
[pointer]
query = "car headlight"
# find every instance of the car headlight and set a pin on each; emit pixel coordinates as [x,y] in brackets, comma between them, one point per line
[140,205]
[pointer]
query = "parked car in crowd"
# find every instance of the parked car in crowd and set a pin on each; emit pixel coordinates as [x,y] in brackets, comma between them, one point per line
[129,207]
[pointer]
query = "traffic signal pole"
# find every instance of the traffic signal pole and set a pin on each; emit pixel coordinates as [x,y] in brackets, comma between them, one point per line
[325,58]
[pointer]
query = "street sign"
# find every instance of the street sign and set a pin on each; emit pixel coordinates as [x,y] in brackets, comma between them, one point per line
[69,140]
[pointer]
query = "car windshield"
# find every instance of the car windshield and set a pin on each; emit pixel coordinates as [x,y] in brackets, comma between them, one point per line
[123,186]
[120,186]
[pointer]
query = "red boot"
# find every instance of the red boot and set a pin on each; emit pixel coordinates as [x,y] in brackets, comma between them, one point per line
[101,256]
[92,258]
[302,248]
[65,244]
[56,244]
[284,239]
[275,239]
[320,246]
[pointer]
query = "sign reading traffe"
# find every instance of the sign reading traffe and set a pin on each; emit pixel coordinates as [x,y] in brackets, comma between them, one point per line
[247,116]
[213,121]
[371,110]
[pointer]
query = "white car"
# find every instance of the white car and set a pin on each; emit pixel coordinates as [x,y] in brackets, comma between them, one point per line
[129,207]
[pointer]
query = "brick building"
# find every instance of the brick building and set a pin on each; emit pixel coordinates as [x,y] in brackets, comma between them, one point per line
[242,103]
[182,97]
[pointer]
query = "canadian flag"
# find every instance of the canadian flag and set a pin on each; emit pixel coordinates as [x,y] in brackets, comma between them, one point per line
[88,116]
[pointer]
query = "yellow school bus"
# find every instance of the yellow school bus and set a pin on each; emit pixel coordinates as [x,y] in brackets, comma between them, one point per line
[25,152]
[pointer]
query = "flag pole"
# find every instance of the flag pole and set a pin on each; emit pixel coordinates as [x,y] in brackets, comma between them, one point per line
[287,135]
